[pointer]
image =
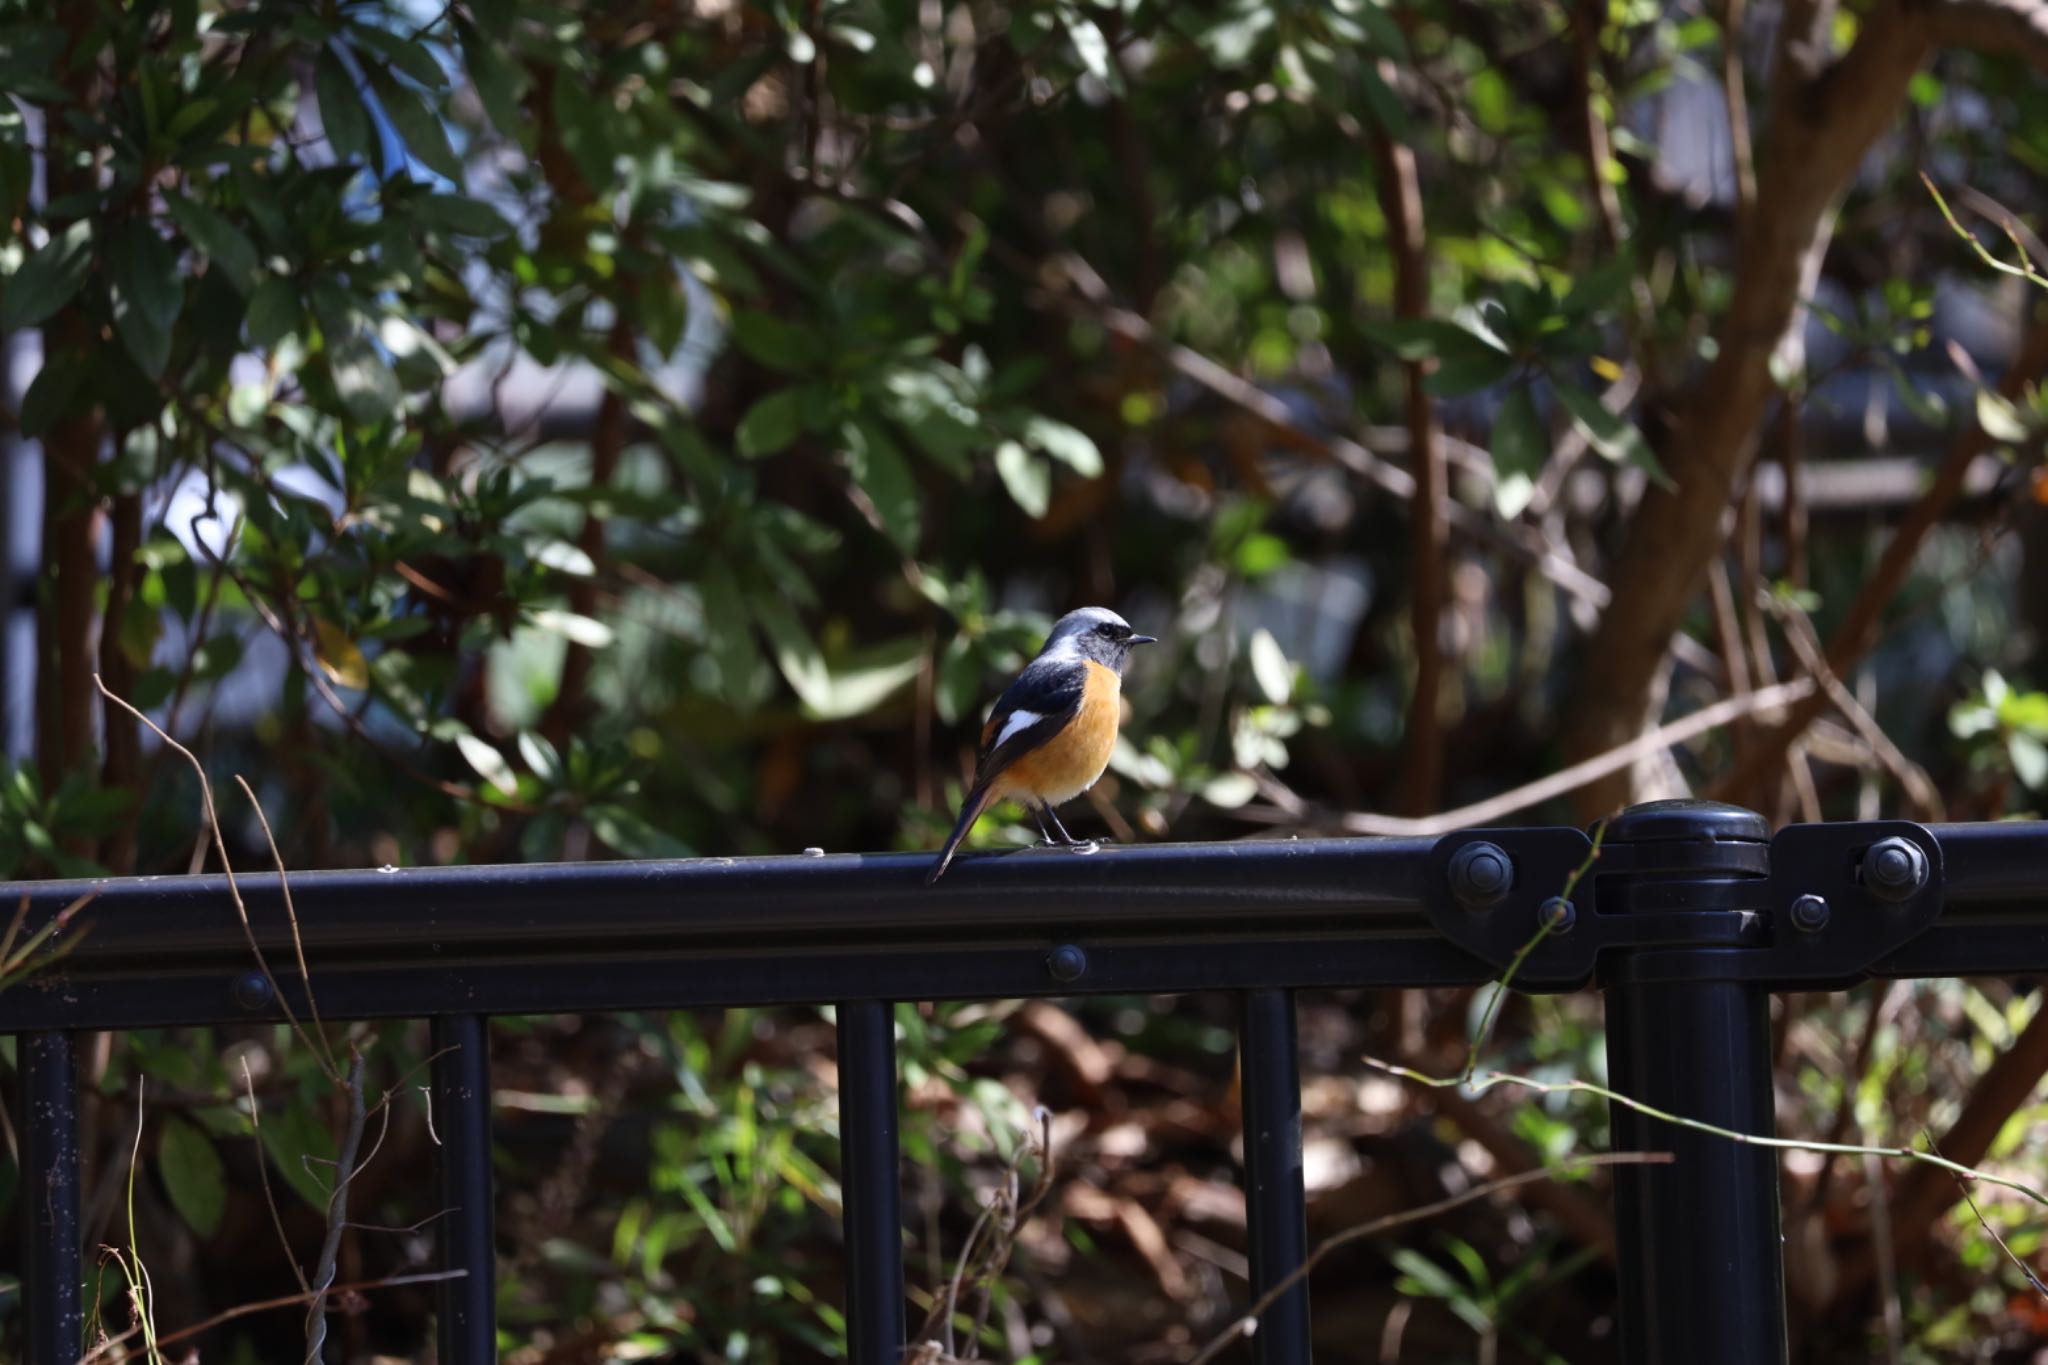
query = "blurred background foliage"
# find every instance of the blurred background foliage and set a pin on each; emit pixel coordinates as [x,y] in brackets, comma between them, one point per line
[518,430]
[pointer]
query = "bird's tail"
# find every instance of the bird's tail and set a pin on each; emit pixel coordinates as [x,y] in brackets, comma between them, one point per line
[977,801]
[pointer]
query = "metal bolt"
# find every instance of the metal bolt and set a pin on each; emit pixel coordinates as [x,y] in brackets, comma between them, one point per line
[1481,875]
[252,991]
[1558,915]
[1809,914]
[1894,869]
[1066,963]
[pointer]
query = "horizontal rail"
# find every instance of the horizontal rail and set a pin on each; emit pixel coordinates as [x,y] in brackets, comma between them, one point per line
[1252,915]
[552,938]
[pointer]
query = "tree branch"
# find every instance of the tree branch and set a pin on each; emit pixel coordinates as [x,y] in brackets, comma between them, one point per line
[2017,28]
[1820,130]
[1858,631]
[1400,195]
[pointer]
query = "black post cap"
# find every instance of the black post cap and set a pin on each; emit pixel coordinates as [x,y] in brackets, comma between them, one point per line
[1690,819]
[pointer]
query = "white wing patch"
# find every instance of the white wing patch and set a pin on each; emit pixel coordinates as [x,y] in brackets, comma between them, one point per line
[1019,720]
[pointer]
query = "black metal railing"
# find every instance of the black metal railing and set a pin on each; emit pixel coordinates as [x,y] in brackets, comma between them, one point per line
[1689,918]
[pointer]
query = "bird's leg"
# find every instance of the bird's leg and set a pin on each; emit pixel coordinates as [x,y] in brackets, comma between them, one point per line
[1069,840]
[1038,814]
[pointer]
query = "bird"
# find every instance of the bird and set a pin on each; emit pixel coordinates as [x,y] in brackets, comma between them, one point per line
[1050,735]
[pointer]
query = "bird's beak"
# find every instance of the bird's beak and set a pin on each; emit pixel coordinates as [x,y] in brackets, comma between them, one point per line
[1142,640]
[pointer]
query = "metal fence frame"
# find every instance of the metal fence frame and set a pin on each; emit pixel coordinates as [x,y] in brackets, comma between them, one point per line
[1688,918]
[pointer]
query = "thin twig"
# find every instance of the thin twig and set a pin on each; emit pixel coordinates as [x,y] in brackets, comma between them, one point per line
[986,1252]
[1963,1188]
[291,913]
[1429,572]
[104,1352]
[1585,773]
[2025,270]
[220,844]
[337,1215]
[1488,1080]
[263,1176]
[1249,1323]
[1500,988]
[1911,777]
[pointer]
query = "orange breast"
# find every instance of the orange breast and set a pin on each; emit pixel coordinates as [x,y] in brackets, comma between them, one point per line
[1070,763]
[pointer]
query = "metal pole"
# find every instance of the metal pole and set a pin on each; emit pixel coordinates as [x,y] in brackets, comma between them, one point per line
[1275,1208]
[462,1116]
[870,1186]
[48,1124]
[1700,1242]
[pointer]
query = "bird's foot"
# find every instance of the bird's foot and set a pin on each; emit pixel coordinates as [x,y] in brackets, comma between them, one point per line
[1083,847]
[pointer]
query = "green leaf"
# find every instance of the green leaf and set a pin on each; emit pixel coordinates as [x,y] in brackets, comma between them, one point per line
[796,653]
[1613,435]
[489,763]
[1028,478]
[363,380]
[220,241]
[146,293]
[958,682]
[412,57]
[1465,360]
[420,128]
[51,392]
[1069,445]
[343,115]
[301,1149]
[1270,668]
[541,756]
[498,82]
[193,1174]
[582,123]
[146,268]
[1091,45]
[48,279]
[770,341]
[461,214]
[1380,97]
[1228,791]
[731,656]
[1519,443]
[1468,371]
[1999,418]
[2029,759]
[1425,338]
[771,424]
[1600,288]
[217,657]
[273,312]
[633,836]
[854,688]
[884,475]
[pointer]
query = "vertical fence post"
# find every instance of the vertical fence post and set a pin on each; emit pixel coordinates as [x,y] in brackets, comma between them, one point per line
[1700,1242]
[462,1116]
[870,1186]
[54,1320]
[1275,1207]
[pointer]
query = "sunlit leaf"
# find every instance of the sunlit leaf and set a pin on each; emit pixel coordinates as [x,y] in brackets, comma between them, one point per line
[490,765]
[340,657]
[1027,477]
[1610,433]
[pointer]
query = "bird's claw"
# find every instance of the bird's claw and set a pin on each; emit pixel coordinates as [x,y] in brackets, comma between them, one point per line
[1084,847]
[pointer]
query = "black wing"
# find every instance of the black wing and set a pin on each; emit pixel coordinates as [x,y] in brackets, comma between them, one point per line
[1049,691]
